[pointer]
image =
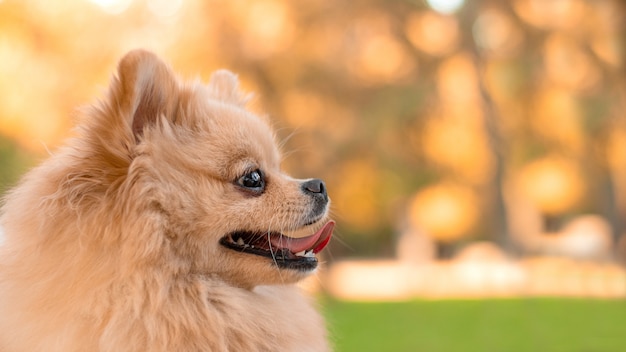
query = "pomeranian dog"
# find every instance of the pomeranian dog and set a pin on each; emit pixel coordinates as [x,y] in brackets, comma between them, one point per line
[166,224]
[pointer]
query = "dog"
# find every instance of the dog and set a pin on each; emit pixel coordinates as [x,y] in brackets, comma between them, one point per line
[164,224]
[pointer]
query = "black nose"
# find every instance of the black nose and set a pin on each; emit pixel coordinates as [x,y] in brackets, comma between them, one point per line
[316,190]
[315,187]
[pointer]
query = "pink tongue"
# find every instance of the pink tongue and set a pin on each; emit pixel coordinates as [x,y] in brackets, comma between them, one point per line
[316,241]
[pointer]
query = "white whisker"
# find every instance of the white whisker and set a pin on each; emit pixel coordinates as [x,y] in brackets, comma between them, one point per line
[269,241]
[284,141]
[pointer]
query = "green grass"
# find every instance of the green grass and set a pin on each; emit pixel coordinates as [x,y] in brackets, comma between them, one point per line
[507,325]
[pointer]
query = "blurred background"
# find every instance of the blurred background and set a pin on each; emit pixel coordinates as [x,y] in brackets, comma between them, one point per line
[472,149]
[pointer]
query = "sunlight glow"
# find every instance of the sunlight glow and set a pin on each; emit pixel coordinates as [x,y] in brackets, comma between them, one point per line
[445,6]
[165,8]
[113,7]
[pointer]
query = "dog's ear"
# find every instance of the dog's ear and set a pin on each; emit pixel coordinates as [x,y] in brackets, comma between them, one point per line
[146,89]
[224,86]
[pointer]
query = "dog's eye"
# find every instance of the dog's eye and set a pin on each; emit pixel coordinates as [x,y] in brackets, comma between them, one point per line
[252,180]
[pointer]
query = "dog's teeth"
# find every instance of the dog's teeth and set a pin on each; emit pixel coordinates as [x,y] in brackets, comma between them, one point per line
[306,254]
[246,245]
[240,241]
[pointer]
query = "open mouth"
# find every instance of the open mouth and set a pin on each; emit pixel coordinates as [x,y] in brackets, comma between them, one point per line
[286,252]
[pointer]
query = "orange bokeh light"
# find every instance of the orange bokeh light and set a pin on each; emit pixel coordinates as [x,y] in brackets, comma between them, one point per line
[356,194]
[553,184]
[432,33]
[445,211]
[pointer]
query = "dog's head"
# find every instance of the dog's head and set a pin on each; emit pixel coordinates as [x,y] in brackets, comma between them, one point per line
[203,176]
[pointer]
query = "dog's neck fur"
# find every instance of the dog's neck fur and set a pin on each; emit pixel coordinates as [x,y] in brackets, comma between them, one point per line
[104,303]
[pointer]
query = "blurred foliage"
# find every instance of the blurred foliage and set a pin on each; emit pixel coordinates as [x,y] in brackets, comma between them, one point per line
[389,101]
[13,162]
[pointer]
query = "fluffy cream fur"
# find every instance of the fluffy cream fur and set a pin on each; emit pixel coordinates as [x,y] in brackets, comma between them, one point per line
[112,243]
